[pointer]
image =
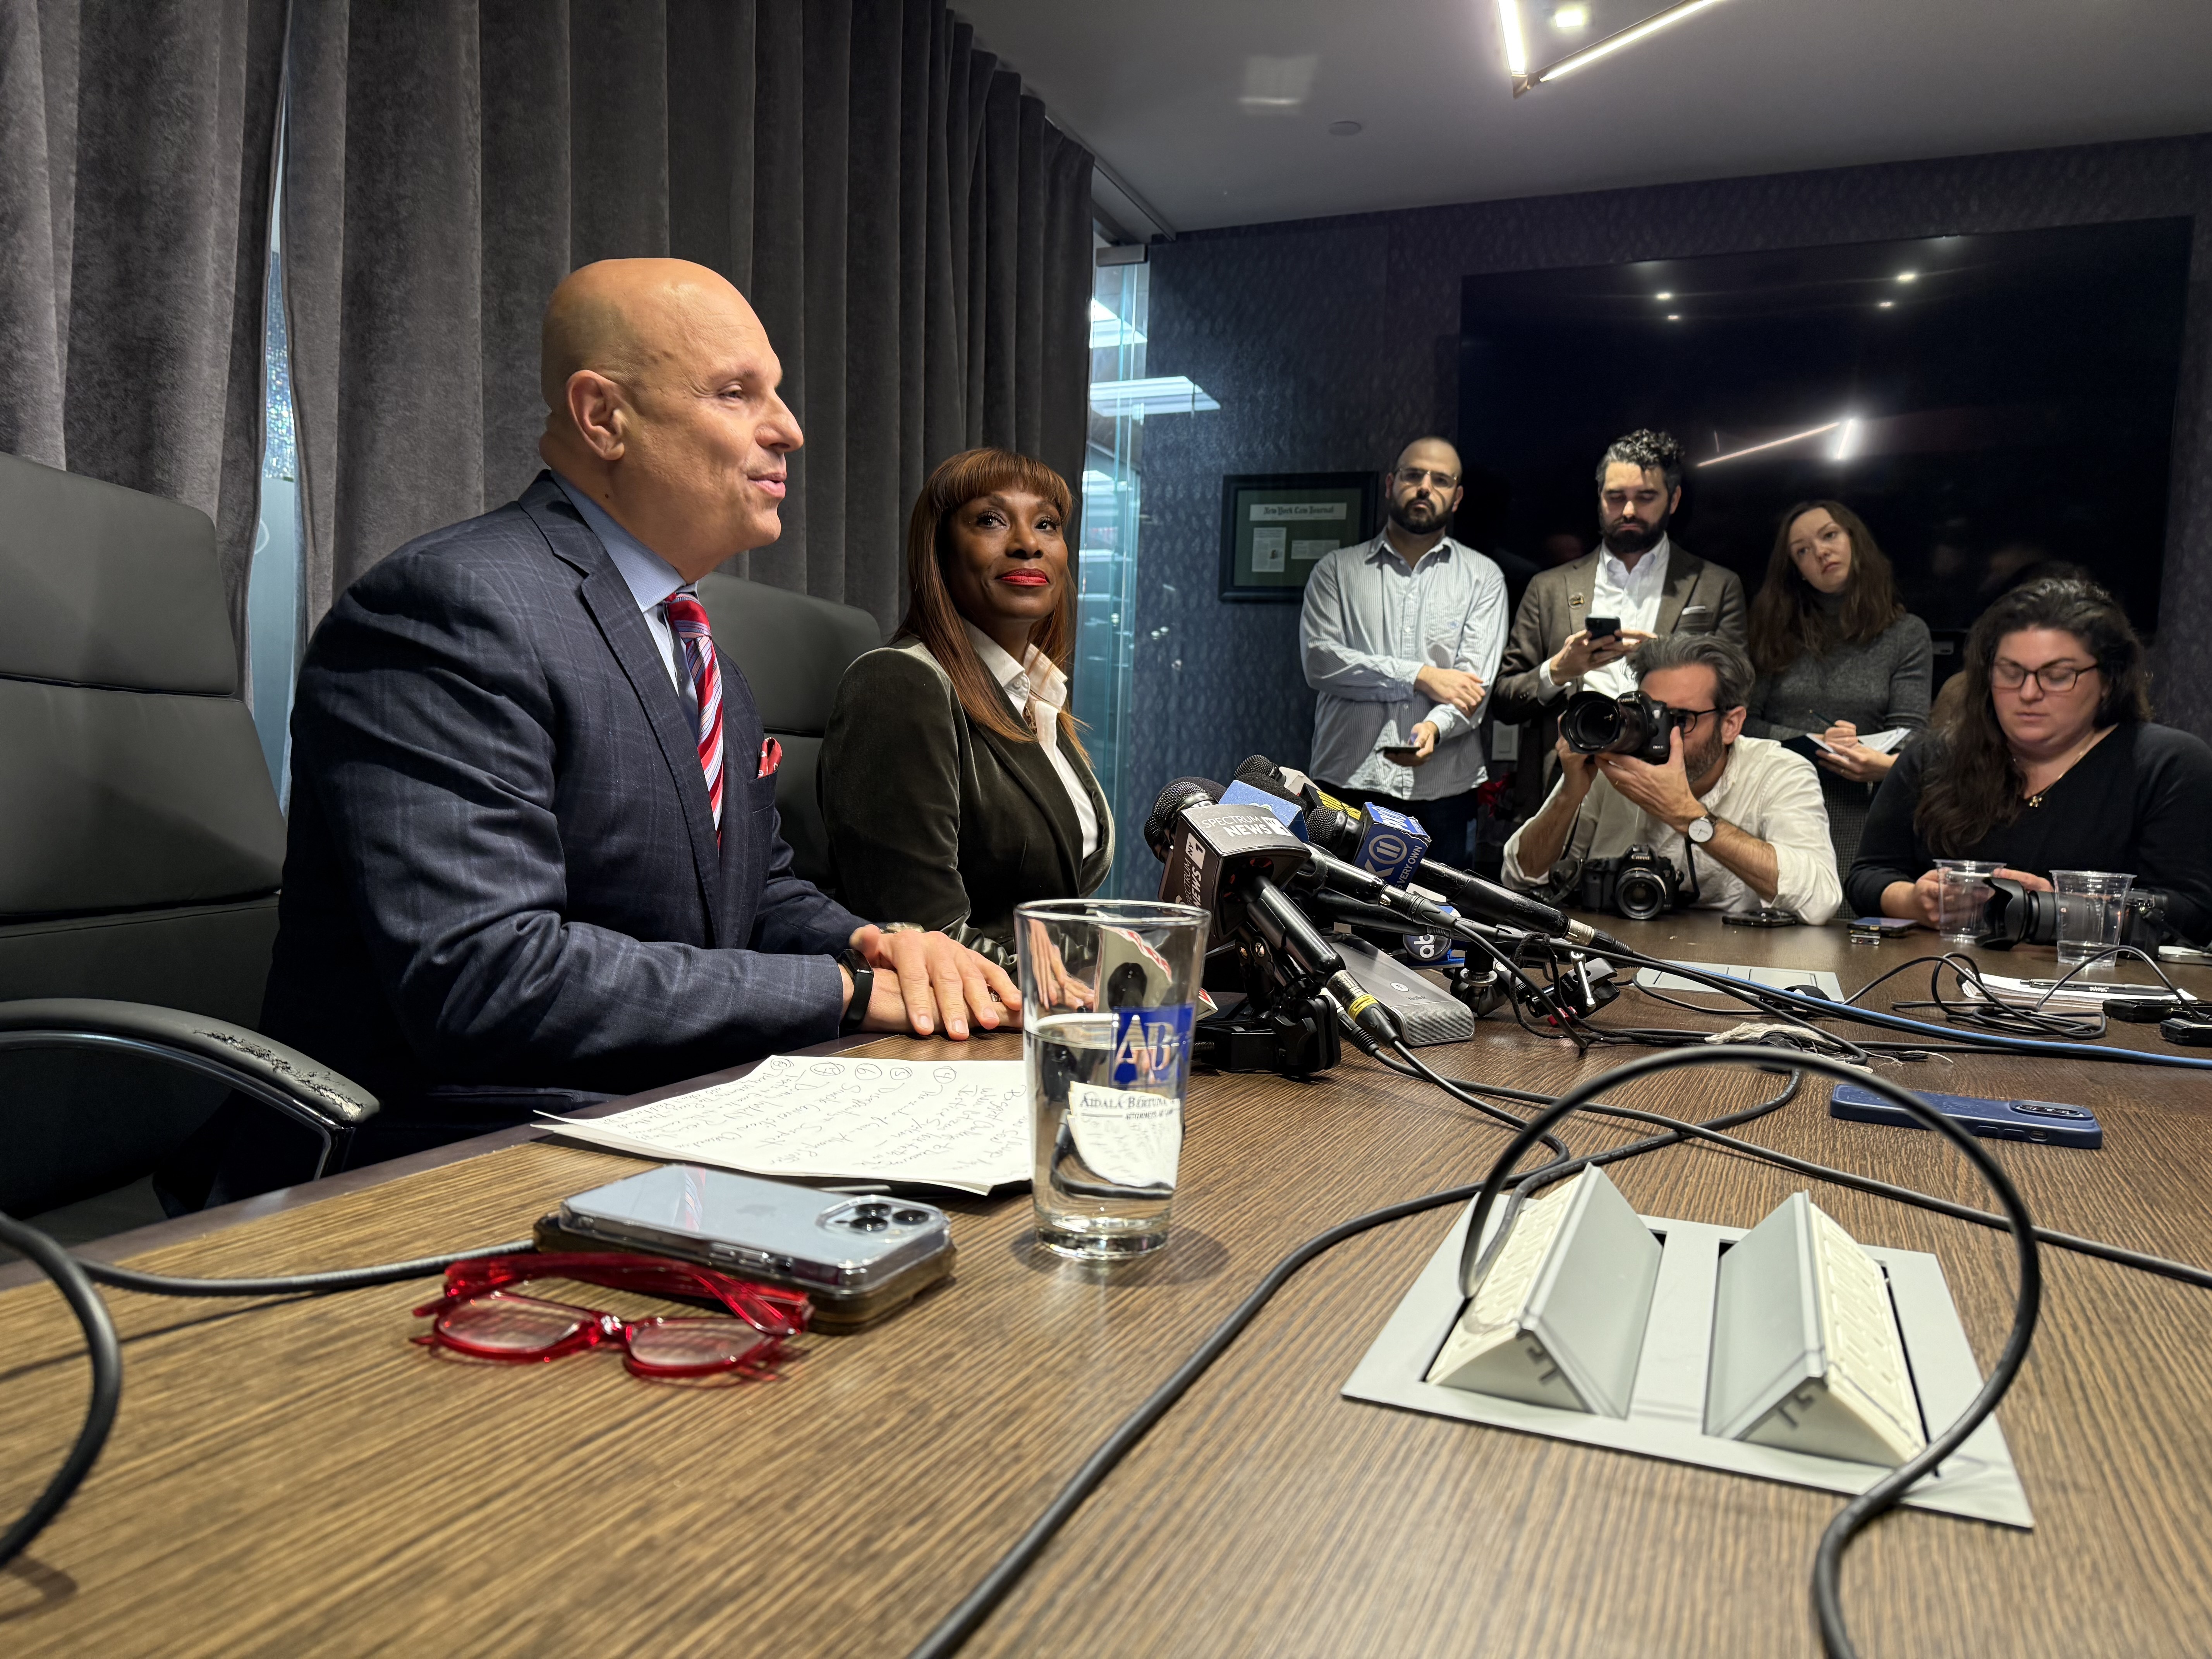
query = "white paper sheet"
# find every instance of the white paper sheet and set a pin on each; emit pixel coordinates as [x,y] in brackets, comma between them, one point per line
[961,1124]
[1880,742]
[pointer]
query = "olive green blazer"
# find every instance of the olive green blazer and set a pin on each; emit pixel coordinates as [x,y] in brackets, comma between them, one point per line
[933,819]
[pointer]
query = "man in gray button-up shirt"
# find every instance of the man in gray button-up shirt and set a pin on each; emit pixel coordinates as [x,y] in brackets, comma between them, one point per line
[1402,637]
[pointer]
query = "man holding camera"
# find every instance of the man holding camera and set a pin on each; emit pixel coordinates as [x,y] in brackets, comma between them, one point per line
[1740,819]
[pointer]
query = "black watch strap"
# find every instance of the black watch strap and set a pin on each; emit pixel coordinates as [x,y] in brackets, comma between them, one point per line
[863,985]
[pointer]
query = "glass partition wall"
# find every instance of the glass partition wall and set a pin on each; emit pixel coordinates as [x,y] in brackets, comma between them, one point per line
[1113,498]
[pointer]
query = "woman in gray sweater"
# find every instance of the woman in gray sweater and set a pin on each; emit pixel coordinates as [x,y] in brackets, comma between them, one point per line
[1838,658]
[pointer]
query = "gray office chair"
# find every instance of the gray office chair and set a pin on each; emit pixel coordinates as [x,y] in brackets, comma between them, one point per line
[794,649]
[141,846]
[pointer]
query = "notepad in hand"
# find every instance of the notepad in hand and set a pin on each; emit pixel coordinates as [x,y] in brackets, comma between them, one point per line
[963,1125]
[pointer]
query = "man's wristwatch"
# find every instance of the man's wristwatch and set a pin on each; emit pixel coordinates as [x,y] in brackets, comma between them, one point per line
[1701,828]
[863,985]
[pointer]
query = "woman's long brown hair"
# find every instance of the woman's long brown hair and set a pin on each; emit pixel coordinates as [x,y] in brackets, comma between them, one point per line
[1970,784]
[1786,617]
[931,617]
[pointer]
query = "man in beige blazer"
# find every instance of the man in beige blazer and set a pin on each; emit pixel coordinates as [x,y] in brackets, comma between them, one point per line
[1637,576]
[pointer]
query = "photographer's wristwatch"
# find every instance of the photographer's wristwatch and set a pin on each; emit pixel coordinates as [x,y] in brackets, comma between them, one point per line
[864,986]
[1700,830]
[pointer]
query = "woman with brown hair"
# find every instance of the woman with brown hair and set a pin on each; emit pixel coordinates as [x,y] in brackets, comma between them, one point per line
[2052,763]
[1838,660]
[952,780]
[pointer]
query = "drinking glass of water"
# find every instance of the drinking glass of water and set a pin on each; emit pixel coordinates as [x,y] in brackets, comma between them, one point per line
[2092,904]
[1110,988]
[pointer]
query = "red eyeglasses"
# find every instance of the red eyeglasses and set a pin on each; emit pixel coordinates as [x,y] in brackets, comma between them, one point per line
[482,1315]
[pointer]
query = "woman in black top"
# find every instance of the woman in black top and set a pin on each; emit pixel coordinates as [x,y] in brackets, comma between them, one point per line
[2052,763]
[951,781]
[1838,658]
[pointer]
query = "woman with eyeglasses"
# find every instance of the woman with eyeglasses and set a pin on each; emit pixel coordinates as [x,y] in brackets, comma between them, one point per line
[2052,763]
[1838,660]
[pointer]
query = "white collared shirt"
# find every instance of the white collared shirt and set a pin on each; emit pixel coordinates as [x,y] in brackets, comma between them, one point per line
[1037,676]
[1632,595]
[1370,623]
[651,580]
[1765,791]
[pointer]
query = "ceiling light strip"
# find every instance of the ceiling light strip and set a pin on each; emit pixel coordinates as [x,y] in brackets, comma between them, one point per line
[1516,46]
[1596,48]
[1772,443]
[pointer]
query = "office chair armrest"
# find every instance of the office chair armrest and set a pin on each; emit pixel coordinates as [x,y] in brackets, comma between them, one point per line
[326,1101]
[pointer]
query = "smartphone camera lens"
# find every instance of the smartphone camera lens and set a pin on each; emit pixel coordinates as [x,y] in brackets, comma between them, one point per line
[871,1224]
[876,1208]
[910,1217]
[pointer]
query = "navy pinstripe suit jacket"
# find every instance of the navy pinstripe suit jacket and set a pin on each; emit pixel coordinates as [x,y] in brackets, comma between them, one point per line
[502,867]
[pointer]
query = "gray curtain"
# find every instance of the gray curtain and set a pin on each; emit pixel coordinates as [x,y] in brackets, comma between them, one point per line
[914,233]
[135,171]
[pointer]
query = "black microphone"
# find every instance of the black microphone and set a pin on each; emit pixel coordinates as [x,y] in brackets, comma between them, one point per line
[1225,859]
[1334,828]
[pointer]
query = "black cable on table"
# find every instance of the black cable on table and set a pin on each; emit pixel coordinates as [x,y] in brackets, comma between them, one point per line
[106,1350]
[2141,1261]
[1884,1494]
[75,1279]
[322,1284]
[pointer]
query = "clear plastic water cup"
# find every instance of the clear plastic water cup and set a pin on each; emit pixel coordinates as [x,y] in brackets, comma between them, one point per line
[1110,989]
[1962,895]
[2092,904]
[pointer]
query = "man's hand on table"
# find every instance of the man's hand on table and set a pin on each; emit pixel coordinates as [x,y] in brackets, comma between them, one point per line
[923,981]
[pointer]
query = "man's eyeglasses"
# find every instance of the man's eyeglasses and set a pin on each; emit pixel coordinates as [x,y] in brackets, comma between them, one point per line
[482,1315]
[1687,719]
[2052,676]
[1414,475]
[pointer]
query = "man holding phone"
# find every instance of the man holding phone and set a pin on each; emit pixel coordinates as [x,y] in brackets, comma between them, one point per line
[1578,623]
[1400,637]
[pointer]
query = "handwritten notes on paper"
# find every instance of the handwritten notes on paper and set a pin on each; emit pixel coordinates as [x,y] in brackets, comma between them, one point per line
[961,1124]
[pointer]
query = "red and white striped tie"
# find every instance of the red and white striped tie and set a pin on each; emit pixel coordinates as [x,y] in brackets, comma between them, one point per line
[687,617]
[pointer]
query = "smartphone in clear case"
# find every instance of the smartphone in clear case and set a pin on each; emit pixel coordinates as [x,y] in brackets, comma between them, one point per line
[856,1256]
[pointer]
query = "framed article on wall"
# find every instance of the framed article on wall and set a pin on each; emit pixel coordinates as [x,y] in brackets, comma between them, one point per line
[1275,526]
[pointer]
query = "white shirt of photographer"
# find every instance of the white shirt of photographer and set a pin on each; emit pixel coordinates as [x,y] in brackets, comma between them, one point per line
[1766,790]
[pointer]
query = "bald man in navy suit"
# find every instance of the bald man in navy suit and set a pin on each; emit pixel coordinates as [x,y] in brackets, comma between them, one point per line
[525,867]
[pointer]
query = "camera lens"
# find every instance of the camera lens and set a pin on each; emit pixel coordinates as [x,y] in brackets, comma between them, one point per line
[871,1224]
[1639,895]
[873,1208]
[1590,723]
[910,1217]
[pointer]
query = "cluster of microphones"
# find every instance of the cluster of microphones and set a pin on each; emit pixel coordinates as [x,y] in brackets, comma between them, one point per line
[1271,857]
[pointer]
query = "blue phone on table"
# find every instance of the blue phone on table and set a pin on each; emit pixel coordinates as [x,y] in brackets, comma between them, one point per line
[2045,1121]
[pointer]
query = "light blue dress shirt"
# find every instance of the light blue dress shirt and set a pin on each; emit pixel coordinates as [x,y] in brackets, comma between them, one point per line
[1370,623]
[651,580]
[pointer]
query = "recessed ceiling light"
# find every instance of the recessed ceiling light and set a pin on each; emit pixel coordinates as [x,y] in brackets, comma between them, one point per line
[1887,304]
[1664,294]
[1345,128]
[1673,317]
[1570,18]
[1908,276]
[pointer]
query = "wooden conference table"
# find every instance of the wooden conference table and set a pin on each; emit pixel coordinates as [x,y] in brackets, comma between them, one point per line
[294,1478]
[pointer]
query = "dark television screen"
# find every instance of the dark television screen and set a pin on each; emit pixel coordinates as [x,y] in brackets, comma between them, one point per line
[1986,403]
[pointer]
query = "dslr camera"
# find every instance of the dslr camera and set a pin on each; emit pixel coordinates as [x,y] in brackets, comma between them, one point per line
[2015,916]
[1594,724]
[1639,885]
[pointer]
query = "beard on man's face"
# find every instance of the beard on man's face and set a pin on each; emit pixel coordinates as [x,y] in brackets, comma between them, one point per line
[1420,514]
[1626,535]
[1702,753]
